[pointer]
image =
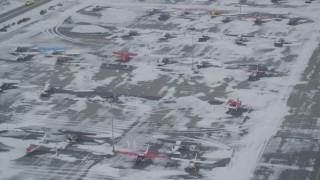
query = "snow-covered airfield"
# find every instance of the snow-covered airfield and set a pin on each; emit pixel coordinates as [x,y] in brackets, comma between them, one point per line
[147,101]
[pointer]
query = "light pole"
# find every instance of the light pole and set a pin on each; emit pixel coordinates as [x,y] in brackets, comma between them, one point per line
[192,68]
[240,7]
[113,150]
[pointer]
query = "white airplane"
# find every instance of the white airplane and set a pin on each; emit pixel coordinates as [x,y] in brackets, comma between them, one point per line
[178,145]
[200,63]
[241,38]
[194,164]
[163,61]
[53,53]
[47,90]
[195,69]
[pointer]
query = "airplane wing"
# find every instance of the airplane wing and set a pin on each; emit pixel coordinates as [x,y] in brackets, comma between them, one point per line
[185,143]
[231,35]
[51,49]
[187,9]
[178,9]
[130,54]
[155,156]
[196,161]
[220,99]
[167,140]
[7,81]
[180,159]
[257,71]
[222,11]
[76,132]
[206,162]
[118,53]
[236,35]
[231,107]
[124,53]
[127,153]
[247,35]
[45,138]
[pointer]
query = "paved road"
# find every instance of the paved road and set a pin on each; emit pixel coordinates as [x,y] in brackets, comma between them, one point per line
[294,152]
[20,10]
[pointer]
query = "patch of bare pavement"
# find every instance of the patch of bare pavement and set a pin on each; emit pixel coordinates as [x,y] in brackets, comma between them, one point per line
[294,152]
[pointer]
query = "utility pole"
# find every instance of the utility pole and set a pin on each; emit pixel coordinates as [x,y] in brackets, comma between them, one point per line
[192,68]
[113,150]
[240,7]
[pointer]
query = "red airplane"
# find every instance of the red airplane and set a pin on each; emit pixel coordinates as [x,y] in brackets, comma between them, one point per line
[32,148]
[36,147]
[234,104]
[143,156]
[124,56]
[230,104]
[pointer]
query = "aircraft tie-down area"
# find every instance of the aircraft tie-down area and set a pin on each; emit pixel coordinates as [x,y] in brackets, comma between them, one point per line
[158,89]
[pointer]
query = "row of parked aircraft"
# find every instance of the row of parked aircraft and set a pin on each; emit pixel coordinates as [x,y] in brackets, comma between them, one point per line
[142,156]
[148,155]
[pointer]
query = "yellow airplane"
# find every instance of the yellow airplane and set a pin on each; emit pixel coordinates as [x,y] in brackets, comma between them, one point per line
[215,13]
[29,2]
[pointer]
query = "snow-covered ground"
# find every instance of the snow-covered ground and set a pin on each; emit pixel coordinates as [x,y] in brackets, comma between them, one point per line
[8,5]
[169,101]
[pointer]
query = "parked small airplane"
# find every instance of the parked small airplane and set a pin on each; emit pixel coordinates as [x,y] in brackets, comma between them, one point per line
[213,12]
[194,164]
[260,20]
[279,42]
[8,84]
[73,137]
[166,36]
[163,61]
[97,8]
[200,63]
[203,38]
[178,145]
[230,104]
[35,147]
[143,156]
[256,74]
[32,148]
[163,16]
[241,38]
[47,90]
[124,56]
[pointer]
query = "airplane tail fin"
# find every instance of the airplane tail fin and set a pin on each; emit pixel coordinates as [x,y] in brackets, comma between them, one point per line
[173,151]
[147,149]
